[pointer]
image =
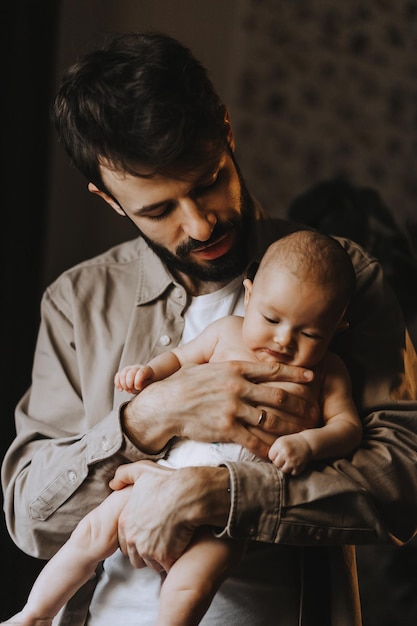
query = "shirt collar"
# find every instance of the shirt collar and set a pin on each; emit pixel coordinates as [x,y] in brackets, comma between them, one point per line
[153,276]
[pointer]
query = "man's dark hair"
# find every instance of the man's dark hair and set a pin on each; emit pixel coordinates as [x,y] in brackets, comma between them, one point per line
[140,100]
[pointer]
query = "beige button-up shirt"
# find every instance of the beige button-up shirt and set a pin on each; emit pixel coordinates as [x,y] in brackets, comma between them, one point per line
[124,307]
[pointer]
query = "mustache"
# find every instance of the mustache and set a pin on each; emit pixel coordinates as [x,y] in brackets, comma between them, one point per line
[219,230]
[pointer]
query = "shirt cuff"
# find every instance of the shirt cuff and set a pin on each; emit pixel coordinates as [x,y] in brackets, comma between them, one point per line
[256,494]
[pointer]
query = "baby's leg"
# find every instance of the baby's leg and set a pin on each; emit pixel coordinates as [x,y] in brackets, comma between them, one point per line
[22,619]
[93,539]
[194,579]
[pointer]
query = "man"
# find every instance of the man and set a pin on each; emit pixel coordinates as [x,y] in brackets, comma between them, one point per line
[141,120]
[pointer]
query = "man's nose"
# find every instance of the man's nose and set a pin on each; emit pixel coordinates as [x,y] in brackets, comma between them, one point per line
[197,222]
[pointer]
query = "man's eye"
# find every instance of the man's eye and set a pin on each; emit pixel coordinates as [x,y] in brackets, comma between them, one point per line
[202,188]
[161,212]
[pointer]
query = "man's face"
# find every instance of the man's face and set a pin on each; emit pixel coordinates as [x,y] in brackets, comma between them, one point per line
[197,224]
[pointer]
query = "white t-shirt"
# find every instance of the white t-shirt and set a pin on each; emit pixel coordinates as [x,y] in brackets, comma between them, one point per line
[126,596]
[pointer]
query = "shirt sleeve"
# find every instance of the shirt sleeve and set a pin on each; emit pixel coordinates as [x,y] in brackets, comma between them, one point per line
[69,438]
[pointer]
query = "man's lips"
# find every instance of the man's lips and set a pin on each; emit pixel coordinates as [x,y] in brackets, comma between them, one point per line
[215,250]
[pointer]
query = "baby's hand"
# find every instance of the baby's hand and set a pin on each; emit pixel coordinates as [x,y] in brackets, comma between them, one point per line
[290,453]
[133,378]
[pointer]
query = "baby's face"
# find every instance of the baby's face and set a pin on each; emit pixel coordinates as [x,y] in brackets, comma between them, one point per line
[287,319]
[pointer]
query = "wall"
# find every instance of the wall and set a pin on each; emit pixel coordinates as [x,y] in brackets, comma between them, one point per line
[326,88]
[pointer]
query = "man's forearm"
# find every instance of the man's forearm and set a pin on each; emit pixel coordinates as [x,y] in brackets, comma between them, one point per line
[368,498]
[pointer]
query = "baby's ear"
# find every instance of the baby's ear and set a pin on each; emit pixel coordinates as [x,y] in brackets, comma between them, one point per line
[248,284]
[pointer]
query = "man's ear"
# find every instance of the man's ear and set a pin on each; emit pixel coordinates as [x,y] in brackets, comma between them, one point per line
[229,132]
[114,205]
[343,325]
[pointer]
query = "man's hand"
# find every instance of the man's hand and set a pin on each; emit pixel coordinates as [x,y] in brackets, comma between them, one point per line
[217,401]
[165,507]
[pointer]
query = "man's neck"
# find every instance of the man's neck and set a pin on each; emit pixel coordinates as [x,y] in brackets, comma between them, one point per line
[196,287]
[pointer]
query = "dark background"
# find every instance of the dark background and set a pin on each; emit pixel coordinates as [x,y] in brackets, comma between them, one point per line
[256,58]
[28,32]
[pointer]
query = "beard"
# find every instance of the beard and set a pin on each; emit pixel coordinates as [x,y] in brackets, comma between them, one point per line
[226,267]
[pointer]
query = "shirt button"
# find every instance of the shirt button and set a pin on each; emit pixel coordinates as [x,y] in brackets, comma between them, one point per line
[165,340]
[72,476]
[104,444]
[178,294]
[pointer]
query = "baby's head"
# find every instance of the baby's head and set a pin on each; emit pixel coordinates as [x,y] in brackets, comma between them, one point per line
[315,258]
[299,297]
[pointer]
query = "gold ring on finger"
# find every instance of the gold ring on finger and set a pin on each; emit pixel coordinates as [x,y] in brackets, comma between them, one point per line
[261,418]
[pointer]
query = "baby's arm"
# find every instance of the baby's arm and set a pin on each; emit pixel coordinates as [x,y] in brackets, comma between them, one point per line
[342,430]
[134,378]
[93,539]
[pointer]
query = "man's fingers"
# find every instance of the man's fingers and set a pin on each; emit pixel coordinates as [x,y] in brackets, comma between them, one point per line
[280,399]
[249,438]
[157,567]
[263,372]
[289,408]
[266,437]
[129,473]
[126,475]
[135,559]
